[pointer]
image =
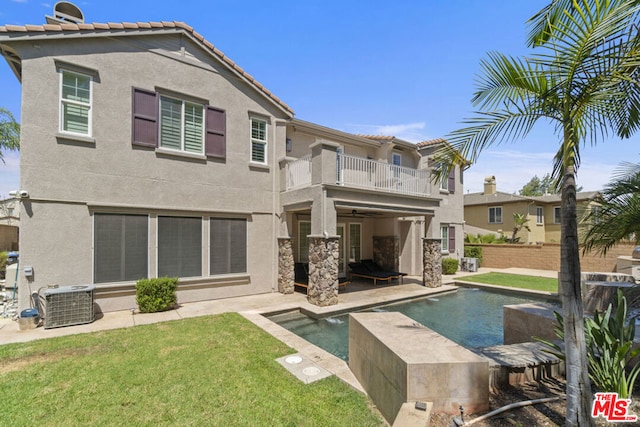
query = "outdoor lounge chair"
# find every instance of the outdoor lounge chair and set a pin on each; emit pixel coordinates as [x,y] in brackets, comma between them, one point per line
[368,269]
[301,276]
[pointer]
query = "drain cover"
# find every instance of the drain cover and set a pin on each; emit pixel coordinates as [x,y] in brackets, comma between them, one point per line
[293,360]
[311,371]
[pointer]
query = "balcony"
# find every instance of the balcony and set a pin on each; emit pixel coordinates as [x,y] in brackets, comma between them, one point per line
[357,172]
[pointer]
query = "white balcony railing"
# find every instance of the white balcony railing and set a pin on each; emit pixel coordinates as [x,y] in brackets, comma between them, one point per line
[352,171]
[366,173]
[299,172]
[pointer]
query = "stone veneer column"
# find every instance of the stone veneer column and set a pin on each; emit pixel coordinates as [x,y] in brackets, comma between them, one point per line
[285,265]
[323,271]
[432,263]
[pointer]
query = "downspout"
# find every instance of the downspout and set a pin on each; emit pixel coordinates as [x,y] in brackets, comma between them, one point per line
[275,201]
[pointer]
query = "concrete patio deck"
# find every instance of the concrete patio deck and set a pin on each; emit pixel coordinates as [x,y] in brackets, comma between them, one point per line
[360,294]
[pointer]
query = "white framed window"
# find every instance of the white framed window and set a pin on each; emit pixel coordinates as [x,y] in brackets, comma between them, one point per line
[355,241]
[258,140]
[557,219]
[75,102]
[596,212]
[339,164]
[495,215]
[444,235]
[539,215]
[304,230]
[181,125]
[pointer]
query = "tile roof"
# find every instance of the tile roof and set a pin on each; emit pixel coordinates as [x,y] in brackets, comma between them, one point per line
[377,137]
[501,197]
[127,26]
[430,142]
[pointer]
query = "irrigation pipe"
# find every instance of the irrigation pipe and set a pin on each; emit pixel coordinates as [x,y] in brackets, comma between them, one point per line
[511,406]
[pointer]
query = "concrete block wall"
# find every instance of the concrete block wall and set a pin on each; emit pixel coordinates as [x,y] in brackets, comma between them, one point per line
[547,257]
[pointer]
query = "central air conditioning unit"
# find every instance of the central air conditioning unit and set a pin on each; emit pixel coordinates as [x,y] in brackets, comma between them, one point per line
[68,305]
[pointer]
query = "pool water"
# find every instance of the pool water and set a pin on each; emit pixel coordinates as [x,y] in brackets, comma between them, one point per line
[470,317]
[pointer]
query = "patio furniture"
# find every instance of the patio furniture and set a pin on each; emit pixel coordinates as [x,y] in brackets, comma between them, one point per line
[369,269]
[301,276]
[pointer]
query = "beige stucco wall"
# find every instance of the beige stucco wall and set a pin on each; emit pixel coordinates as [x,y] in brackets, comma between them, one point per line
[69,179]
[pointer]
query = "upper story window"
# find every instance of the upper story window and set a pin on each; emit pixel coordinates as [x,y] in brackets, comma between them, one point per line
[181,125]
[258,141]
[186,126]
[495,215]
[557,215]
[75,103]
[539,215]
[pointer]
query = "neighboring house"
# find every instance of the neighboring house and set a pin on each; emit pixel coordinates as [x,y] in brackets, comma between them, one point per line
[9,224]
[147,152]
[493,210]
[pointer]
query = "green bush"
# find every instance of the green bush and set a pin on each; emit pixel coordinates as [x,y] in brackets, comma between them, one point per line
[473,252]
[3,260]
[154,295]
[609,340]
[449,265]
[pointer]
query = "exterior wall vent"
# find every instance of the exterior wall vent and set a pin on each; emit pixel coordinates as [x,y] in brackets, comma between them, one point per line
[65,12]
[68,305]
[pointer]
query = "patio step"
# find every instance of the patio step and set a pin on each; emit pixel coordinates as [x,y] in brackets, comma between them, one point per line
[519,363]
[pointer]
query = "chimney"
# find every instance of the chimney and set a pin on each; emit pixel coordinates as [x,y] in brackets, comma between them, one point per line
[490,185]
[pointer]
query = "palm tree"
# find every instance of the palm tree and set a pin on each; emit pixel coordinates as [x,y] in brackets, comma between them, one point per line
[9,132]
[618,217]
[582,76]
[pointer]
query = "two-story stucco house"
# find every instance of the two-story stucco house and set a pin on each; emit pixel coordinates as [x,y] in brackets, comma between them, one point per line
[147,152]
[493,211]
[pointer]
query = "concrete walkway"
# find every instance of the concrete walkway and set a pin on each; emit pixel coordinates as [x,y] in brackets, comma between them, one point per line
[359,295]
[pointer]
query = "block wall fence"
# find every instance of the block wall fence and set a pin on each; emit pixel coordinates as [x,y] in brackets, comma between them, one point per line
[547,257]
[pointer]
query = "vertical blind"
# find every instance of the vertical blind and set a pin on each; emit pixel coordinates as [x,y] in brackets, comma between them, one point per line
[179,246]
[120,247]
[228,239]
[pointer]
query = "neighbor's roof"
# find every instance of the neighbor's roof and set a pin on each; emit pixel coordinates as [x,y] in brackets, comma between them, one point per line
[9,32]
[501,197]
[430,142]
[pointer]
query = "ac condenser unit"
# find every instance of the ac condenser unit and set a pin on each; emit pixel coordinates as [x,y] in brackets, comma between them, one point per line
[68,305]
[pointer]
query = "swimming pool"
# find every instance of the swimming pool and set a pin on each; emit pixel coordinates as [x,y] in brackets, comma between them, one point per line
[470,317]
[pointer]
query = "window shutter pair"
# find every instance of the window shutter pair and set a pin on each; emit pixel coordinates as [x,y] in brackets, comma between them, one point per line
[145,124]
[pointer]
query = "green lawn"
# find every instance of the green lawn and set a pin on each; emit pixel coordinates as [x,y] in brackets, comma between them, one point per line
[206,371]
[515,281]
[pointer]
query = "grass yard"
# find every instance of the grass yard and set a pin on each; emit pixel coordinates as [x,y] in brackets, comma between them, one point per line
[515,281]
[206,371]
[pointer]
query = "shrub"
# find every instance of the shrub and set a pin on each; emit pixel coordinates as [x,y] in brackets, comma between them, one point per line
[449,265]
[473,252]
[609,339]
[154,295]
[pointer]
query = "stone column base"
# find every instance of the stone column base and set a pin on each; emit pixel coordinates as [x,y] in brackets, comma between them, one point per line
[432,263]
[323,271]
[285,265]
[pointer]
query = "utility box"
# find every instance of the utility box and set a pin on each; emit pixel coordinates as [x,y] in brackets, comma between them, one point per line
[68,305]
[469,264]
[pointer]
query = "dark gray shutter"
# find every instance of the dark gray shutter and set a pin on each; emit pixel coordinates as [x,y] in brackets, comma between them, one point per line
[216,126]
[145,118]
[452,180]
[452,239]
